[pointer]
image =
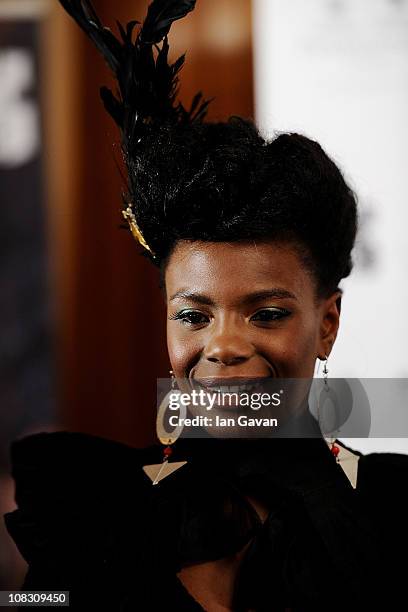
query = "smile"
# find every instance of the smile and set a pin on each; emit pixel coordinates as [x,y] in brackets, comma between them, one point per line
[234,385]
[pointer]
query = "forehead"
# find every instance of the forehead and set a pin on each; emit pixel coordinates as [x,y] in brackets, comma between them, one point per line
[233,268]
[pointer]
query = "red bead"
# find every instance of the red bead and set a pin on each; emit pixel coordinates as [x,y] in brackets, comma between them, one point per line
[167,451]
[335,450]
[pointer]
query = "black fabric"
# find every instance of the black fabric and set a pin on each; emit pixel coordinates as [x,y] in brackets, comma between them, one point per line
[90,521]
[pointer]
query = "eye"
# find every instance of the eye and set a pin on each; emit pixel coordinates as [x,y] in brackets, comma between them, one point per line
[267,315]
[191,318]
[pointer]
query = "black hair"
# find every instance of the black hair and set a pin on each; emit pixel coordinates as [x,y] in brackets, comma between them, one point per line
[224,182]
[196,180]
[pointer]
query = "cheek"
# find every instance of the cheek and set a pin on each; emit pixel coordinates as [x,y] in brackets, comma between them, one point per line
[183,348]
[292,349]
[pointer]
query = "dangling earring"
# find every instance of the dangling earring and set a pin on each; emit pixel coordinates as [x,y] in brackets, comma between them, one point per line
[159,471]
[325,394]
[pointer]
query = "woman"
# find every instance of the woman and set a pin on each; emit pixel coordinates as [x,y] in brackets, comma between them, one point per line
[252,239]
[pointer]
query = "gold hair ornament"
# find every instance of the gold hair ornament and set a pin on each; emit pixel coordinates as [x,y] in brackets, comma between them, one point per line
[137,234]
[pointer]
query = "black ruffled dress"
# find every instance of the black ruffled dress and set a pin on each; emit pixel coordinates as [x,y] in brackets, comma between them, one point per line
[90,522]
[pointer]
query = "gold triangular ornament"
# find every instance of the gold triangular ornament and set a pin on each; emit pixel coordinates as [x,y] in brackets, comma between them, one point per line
[349,462]
[158,471]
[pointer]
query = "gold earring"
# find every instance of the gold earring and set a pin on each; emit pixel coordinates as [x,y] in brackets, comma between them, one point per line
[159,471]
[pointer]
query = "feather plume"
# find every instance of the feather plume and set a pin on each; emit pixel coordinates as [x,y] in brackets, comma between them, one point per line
[148,84]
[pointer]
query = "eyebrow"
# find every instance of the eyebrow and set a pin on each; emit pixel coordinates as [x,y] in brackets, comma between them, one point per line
[250,298]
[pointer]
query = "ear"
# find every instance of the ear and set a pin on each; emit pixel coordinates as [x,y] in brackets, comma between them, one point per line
[329,323]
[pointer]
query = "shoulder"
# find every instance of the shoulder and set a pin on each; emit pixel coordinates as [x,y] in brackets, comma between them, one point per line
[38,447]
[379,462]
[381,476]
[383,471]
[67,484]
[83,515]
[381,487]
[70,460]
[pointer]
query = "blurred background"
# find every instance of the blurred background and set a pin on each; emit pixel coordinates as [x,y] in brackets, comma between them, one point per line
[82,316]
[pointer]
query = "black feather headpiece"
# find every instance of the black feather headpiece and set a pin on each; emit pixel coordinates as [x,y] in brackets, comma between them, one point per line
[146,95]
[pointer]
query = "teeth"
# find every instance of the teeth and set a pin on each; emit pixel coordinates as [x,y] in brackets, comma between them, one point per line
[234,388]
[244,388]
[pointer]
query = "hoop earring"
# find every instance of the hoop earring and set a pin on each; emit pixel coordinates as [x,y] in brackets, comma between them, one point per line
[327,393]
[159,471]
[165,437]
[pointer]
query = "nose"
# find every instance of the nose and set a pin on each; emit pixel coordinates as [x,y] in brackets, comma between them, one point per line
[228,349]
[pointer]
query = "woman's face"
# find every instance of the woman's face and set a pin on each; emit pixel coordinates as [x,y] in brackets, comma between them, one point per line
[244,310]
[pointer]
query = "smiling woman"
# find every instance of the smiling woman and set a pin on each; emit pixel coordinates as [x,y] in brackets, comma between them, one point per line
[269,323]
[252,238]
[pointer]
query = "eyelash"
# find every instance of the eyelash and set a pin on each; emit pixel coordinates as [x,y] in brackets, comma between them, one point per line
[276,315]
[183,314]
